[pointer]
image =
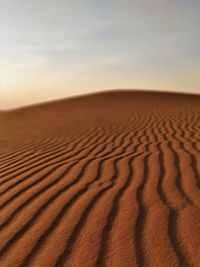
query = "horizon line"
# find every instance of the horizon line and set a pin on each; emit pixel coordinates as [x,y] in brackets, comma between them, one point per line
[103,91]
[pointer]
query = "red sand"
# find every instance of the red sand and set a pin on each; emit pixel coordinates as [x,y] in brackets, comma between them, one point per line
[111,179]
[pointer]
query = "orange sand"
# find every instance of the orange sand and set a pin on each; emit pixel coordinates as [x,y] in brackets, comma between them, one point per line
[111,179]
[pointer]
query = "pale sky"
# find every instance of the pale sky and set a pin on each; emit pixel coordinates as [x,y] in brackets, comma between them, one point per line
[52,49]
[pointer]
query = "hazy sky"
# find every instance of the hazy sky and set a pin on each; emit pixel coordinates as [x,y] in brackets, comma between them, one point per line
[57,48]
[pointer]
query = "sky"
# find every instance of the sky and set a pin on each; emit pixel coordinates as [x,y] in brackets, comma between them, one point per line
[51,49]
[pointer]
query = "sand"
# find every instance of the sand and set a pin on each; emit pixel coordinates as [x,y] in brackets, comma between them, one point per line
[111,179]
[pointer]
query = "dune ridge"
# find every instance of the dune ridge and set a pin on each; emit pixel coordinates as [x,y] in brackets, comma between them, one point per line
[111,179]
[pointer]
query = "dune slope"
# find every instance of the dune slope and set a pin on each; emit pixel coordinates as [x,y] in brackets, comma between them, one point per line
[111,179]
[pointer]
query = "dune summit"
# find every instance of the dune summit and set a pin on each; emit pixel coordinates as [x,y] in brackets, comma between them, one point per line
[111,179]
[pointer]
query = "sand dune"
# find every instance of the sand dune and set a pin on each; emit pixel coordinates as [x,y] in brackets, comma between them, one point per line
[111,179]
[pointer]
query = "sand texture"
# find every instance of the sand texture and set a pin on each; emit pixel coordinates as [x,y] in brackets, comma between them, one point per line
[111,179]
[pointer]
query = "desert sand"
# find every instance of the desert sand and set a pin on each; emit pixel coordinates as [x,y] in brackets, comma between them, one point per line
[111,179]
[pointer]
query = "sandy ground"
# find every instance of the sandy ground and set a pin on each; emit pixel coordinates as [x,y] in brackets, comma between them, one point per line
[111,179]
